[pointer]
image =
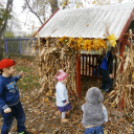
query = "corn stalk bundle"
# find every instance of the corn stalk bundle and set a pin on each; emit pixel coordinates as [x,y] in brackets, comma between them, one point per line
[124,81]
[52,57]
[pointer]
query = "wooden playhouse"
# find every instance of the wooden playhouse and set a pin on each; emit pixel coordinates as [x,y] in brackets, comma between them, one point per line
[88,24]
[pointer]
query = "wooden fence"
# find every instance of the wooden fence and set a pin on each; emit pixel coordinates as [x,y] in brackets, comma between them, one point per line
[90,65]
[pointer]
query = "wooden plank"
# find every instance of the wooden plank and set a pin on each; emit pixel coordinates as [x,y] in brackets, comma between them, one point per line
[120,105]
[122,49]
[92,64]
[86,69]
[96,65]
[89,64]
[83,64]
[86,65]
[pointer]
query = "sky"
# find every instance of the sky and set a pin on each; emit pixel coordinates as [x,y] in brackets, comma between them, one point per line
[27,20]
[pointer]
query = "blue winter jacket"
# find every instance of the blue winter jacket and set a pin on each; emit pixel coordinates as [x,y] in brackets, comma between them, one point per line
[107,62]
[9,93]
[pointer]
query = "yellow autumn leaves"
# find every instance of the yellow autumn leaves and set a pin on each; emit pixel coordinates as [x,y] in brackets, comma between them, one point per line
[87,44]
[64,3]
[100,2]
[112,40]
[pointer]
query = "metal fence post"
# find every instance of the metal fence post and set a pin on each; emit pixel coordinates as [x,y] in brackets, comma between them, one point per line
[20,44]
[5,40]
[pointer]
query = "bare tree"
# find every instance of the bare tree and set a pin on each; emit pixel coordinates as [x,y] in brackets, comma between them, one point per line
[54,5]
[39,7]
[32,10]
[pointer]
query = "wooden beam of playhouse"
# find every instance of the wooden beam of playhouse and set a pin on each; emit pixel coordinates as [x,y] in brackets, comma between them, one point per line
[126,26]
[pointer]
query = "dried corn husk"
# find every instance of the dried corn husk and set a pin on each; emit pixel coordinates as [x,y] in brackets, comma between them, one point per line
[124,82]
[53,57]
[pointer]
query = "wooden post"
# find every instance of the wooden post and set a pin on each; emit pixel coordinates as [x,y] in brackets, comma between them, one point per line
[124,42]
[83,64]
[78,77]
[122,49]
[121,103]
[89,65]
[92,65]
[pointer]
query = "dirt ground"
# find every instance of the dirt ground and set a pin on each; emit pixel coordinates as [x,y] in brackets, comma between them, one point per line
[40,110]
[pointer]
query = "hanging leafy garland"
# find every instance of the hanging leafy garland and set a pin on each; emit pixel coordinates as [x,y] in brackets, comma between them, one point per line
[88,44]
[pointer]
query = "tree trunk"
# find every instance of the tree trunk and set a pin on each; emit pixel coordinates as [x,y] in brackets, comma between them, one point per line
[7,11]
[1,49]
[3,28]
[54,5]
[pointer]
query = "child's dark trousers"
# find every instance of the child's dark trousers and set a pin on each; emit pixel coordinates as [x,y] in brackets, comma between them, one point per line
[18,113]
[106,81]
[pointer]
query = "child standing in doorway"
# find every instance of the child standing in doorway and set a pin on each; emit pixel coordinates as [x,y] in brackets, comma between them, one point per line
[62,95]
[10,105]
[95,113]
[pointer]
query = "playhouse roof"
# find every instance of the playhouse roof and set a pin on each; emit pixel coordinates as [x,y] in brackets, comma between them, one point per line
[89,22]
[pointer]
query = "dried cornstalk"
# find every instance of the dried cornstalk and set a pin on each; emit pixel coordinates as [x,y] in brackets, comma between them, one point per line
[124,82]
[54,56]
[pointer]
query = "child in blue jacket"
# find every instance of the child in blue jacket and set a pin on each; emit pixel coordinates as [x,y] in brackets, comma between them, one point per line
[106,68]
[10,105]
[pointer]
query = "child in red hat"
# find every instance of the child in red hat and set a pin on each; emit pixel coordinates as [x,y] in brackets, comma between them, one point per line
[10,105]
[62,95]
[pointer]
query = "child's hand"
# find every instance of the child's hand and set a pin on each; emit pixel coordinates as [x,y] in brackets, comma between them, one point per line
[21,74]
[66,103]
[111,76]
[7,110]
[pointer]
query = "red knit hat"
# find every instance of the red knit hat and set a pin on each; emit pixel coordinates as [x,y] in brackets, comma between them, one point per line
[6,63]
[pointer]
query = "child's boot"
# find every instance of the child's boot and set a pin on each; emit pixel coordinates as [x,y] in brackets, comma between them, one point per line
[25,132]
[64,120]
